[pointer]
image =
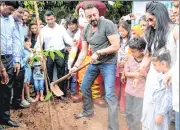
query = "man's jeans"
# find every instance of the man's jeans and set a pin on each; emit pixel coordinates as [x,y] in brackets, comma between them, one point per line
[177,120]
[108,72]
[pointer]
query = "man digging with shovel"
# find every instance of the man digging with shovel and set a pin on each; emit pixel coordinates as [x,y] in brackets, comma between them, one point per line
[101,34]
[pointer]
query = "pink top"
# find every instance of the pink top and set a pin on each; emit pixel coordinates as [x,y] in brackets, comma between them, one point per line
[132,66]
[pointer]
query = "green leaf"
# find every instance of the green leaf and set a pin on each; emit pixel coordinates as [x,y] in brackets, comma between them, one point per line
[32,60]
[48,96]
[52,55]
[46,53]
[37,58]
[59,53]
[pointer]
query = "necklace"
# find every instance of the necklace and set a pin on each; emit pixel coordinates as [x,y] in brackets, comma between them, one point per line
[138,61]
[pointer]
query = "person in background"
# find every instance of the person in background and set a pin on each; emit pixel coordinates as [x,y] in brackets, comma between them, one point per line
[134,94]
[176,10]
[54,37]
[63,22]
[18,79]
[73,29]
[26,18]
[173,75]
[27,57]
[161,33]
[136,31]
[72,24]
[125,35]
[33,33]
[10,54]
[42,25]
[160,104]
[143,23]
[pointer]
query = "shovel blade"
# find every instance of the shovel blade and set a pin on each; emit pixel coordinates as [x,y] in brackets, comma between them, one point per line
[56,90]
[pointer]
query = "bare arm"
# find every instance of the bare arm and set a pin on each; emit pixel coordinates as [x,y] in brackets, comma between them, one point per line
[72,54]
[145,63]
[131,74]
[1,65]
[82,54]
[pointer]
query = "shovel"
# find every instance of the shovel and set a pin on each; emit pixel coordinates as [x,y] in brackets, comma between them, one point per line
[55,88]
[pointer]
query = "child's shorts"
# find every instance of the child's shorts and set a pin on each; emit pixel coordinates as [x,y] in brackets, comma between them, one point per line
[39,84]
[28,74]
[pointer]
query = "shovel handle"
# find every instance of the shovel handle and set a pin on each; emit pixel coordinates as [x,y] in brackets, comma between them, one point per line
[69,74]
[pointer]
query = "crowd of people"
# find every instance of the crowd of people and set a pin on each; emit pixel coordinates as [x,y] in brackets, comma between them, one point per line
[134,68]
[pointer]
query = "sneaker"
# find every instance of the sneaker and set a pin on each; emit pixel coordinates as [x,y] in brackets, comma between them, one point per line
[24,104]
[30,100]
[1,127]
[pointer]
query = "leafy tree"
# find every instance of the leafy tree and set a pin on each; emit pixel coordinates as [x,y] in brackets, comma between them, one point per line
[118,9]
[64,9]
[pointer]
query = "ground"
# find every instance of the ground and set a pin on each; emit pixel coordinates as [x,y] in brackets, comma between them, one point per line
[37,117]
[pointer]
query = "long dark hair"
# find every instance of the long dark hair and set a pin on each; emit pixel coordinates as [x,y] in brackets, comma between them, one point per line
[158,36]
[30,32]
[126,26]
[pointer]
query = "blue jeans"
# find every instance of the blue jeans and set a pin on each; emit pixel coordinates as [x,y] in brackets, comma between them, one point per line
[73,84]
[108,72]
[39,85]
[177,120]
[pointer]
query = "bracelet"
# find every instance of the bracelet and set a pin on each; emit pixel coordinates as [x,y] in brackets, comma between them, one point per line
[98,53]
[2,70]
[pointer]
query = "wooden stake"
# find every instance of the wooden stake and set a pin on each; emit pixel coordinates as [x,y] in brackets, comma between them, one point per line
[43,61]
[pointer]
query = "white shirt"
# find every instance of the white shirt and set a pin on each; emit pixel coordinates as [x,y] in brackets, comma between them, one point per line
[54,38]
[175,81]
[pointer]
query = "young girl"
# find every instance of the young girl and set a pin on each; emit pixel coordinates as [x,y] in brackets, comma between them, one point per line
[134,94]
[160,104]
[124,29]
[27,57]
[38,76]
[33,33]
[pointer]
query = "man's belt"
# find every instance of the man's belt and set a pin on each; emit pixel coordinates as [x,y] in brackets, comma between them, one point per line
[6,56]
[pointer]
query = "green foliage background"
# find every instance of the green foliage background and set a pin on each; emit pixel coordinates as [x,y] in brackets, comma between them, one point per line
[64,9]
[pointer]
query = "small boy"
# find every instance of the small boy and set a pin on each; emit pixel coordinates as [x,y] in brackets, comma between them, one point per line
[134,94]
[157,116]
[38,76]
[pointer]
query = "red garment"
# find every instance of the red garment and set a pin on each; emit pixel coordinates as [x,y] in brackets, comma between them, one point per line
[122,101]
[100,5]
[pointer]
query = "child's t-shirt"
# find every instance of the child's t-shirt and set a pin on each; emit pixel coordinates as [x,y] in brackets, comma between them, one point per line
[38,71]
[26,55]
[132,66]
[122,53]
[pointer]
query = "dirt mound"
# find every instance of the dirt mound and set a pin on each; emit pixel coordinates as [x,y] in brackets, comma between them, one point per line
[37,117]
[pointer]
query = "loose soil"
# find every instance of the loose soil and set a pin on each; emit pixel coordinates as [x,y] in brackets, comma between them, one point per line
[37,117]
